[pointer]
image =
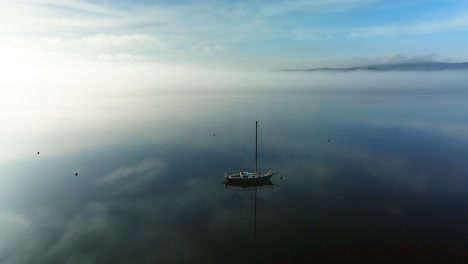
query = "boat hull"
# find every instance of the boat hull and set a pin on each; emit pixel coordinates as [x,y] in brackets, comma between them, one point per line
[237,178]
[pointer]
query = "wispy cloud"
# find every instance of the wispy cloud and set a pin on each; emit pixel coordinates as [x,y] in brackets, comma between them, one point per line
[51,15]
[320,6]
[128,46]
[453,23]
[73,5]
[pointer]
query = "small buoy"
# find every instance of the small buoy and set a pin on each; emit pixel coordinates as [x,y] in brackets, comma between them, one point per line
[38,153]
[328,140]
[76,174]
[281,177]
[214,135]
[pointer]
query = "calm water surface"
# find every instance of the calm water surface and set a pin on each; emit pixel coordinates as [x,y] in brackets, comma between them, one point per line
[371,177]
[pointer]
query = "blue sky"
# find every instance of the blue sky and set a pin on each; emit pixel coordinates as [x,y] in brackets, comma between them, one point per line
[258,34]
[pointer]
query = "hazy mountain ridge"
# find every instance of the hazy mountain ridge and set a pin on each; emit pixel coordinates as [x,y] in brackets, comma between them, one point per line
[418,66]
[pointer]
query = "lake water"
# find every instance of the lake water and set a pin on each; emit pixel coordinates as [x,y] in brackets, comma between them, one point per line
[366,176]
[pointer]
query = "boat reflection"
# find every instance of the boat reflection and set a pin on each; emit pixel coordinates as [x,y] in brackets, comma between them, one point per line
[250,186]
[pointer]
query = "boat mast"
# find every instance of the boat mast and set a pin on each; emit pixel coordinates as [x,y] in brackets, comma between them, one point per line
[256,145]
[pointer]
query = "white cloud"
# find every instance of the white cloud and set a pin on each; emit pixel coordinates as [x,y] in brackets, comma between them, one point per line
[207,50]
[122,58]
[106,42]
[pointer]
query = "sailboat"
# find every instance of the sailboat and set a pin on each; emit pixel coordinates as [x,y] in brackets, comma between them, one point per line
[250,177]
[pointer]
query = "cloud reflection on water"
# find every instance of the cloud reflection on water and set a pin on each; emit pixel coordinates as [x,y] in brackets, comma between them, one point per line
[134,176]
[155,194]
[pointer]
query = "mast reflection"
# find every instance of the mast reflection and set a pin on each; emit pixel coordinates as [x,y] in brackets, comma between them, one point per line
[250,186]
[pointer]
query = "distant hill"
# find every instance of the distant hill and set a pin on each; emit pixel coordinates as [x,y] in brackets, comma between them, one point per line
[419,66]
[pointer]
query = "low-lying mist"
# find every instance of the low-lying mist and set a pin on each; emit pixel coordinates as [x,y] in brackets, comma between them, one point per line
[94,79]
